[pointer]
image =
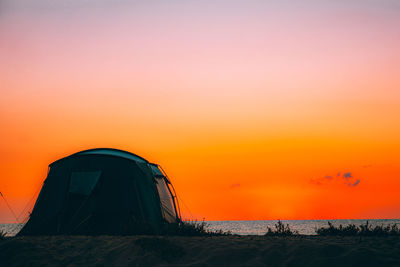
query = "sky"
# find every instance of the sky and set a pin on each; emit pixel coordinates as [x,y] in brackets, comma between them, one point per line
[256,109]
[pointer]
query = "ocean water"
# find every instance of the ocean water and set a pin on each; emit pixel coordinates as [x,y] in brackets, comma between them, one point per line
[305,227]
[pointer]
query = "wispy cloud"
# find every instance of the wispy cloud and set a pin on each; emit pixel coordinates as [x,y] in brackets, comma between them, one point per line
[356,182]
[347,176]
[235,185]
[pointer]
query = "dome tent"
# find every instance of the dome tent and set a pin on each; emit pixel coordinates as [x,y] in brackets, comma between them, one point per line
[103,191]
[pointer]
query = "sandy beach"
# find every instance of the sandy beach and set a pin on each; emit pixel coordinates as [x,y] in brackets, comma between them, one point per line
[199,251]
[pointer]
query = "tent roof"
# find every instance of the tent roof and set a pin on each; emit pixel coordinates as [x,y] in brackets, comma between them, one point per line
[110,152]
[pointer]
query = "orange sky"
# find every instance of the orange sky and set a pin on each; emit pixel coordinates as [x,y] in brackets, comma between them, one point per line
[255,110]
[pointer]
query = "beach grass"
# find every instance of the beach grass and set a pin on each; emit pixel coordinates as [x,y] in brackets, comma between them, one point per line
[2,235]
[361,230]
[280,230]
[193,228]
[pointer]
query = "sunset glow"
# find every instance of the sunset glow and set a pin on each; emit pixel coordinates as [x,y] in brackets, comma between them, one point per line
[256,110]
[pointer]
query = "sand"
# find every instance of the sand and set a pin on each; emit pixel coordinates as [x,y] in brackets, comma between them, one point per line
[199,251]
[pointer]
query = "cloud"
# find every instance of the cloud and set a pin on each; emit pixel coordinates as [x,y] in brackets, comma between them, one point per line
[235,185]
[315,181]
[321,180]
[347,175]
[350,181]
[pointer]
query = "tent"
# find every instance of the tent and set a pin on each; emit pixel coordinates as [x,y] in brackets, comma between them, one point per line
[103,191]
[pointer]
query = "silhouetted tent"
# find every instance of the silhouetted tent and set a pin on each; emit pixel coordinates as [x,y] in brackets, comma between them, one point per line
[103,191]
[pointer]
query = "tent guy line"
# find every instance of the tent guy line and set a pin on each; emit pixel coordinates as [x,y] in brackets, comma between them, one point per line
[9,207]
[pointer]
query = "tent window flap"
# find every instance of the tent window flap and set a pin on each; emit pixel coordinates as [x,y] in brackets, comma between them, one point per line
[166,200]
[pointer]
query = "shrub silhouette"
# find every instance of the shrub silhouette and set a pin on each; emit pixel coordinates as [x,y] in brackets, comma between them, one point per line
[2,235]
[193,228]
[280,230]
[361,230]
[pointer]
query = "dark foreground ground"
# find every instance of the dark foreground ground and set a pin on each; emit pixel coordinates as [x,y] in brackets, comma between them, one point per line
[199,251]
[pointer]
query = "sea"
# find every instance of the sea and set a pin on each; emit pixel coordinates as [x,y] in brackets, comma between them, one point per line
[304,227]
